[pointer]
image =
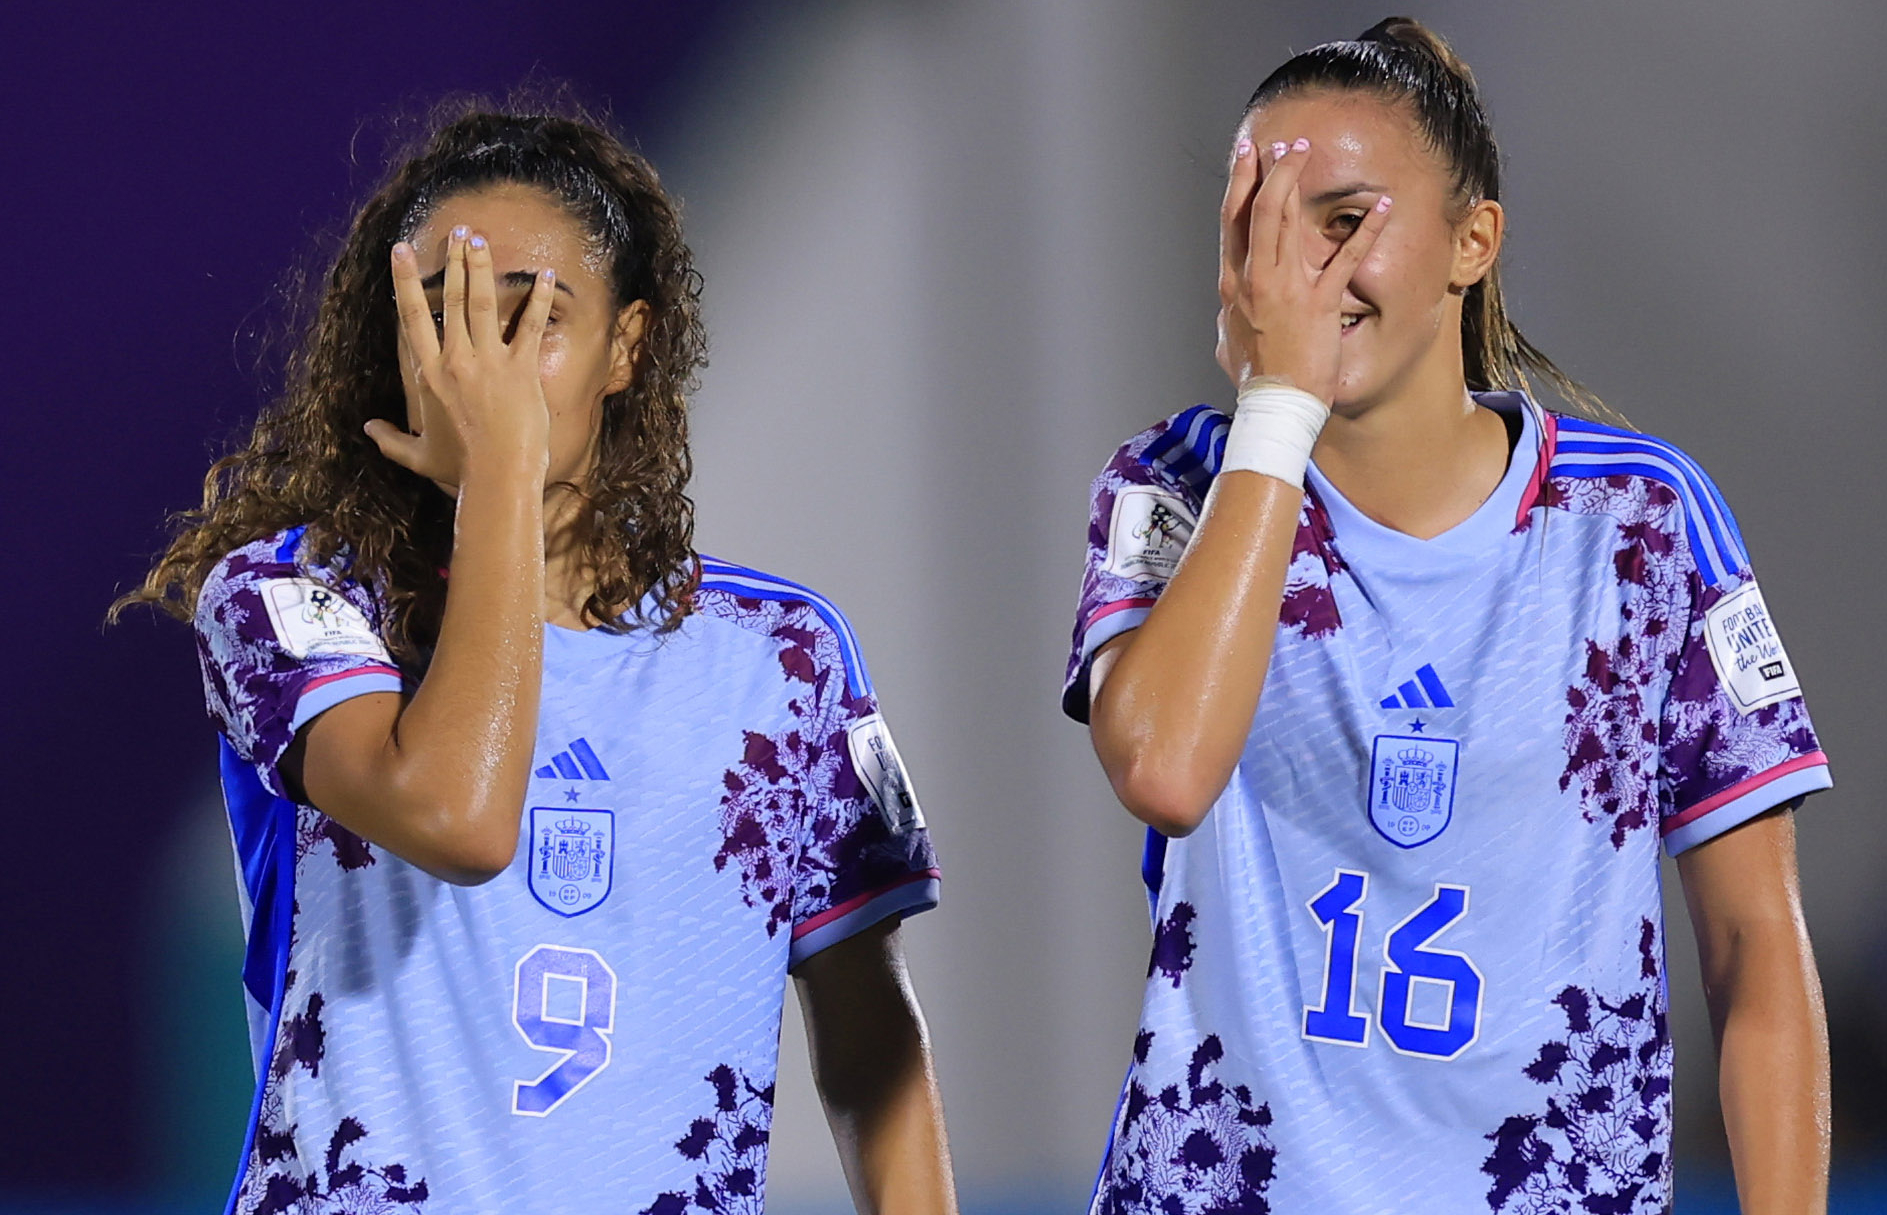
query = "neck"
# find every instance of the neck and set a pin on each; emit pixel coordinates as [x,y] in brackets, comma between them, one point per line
[568,578]
[1420,459]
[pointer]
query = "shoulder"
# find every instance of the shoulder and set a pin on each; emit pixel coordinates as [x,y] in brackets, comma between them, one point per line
[1181,452]
[1646,481]
[246,570]
[809,630]
[253,585]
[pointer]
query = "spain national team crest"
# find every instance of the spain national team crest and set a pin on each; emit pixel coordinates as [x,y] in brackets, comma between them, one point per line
[571,854]
[1412,787]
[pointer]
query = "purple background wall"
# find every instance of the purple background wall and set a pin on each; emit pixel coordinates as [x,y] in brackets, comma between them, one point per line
[166,165]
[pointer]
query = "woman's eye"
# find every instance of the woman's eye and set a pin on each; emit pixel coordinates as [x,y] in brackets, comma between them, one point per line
[439,321]
[1348,221]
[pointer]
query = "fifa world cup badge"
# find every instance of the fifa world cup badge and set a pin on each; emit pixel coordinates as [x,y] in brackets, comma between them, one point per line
[311,618]
[571,854]
[1148,534]
[881,770]
[1412,787]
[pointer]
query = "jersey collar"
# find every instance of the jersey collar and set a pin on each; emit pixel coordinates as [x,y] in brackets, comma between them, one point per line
[1361,538]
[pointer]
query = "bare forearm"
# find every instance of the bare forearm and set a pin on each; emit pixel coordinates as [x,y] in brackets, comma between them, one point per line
[439,779]
[1765,1006]
[1773,1073]
[871,1061]
[893,1144]
[1173,708]
[465,738]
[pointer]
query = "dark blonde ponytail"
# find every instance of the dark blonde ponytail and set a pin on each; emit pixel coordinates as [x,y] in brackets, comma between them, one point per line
[1405,62]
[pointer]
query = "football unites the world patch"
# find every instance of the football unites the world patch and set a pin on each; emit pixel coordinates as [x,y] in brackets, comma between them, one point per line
[1412,787]
[313,618]
[571,858]
[1148,534]
[881,770]
[1747,652]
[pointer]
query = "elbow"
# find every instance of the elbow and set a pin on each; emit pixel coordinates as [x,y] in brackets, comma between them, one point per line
[467,860]
[461,846]
[1171,802]
[470,868]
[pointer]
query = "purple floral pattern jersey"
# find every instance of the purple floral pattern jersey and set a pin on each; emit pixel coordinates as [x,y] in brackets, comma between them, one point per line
[1413,960]
[597,1027]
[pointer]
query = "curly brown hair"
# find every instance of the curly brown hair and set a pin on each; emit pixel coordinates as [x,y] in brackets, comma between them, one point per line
[309,463]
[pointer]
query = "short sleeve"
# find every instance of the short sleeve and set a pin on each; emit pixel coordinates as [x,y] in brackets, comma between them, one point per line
[1141,513]
[1734,736]
[866,854]
[280,644]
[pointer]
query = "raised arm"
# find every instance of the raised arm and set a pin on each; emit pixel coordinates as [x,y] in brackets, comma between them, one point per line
[871,1061]
[1171,702]
[439,778]
[1766,1008]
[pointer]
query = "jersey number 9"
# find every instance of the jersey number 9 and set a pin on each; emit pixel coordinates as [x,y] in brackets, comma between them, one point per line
[583,989]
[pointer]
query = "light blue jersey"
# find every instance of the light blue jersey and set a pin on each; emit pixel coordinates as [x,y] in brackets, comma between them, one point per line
[597,1028]
[1413,960]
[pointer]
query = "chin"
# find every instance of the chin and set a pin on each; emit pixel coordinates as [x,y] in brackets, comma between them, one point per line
[1355,395]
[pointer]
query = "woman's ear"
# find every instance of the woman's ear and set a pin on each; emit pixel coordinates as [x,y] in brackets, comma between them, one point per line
[625,346]
[1477,244]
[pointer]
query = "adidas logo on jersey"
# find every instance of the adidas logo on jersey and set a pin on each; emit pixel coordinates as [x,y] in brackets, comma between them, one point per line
[575,762]
[1425,691]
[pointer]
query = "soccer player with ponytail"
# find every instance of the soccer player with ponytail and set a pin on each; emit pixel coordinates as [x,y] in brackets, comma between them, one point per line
[534,809]
[1411,679]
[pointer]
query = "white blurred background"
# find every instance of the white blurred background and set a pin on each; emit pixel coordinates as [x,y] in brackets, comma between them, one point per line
[956,252]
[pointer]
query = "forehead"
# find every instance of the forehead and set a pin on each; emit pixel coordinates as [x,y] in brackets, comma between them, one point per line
[527,229]
[1353,135]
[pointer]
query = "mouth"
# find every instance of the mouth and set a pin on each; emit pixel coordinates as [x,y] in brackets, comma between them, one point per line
[1352,319]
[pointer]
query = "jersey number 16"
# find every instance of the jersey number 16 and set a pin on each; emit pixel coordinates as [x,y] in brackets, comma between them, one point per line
[1409,958]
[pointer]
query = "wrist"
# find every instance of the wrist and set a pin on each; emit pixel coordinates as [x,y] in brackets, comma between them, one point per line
[1274,429]
[519,465]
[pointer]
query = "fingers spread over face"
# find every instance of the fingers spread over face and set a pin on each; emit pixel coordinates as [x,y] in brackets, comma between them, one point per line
[1234,212]
[481,294]
[409,299]
[456,332]
[1278,187]
[531,322]
[1350,255]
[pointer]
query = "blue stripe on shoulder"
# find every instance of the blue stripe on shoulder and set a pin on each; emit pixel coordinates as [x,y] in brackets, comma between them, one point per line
[1192,447]
[718,575]
[291,540]
[1590,449]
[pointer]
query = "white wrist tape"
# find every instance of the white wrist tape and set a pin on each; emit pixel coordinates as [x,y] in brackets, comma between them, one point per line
[1273,431]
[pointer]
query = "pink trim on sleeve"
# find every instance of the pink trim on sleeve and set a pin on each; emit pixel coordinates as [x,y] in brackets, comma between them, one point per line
[1119,605]
[1742,788]
[853,904]
[375,669]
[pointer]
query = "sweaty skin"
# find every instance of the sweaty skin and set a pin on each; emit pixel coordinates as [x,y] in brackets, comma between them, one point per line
[510,341]
[1172,701]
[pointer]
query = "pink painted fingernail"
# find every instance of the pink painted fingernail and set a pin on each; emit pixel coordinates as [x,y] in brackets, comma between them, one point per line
[1279,149]
[1242,148]
[1302,145]
[550,276]
[402,252]
[459,232]
[478,242]
[1382,204]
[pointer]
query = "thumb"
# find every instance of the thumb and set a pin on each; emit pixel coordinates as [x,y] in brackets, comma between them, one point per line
[408,451]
